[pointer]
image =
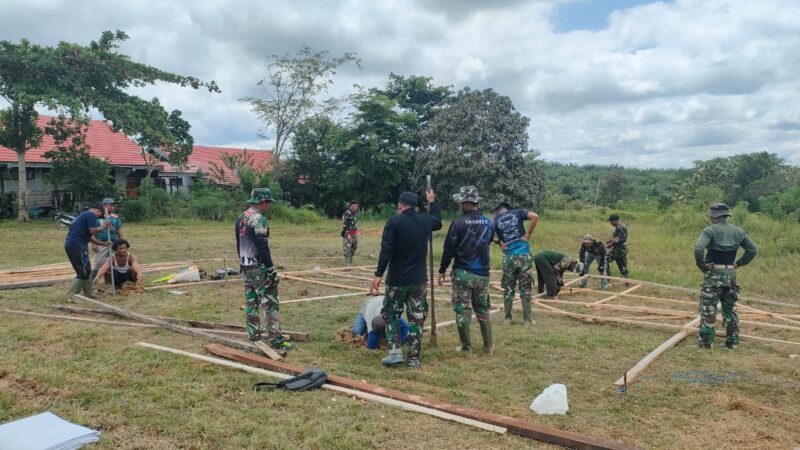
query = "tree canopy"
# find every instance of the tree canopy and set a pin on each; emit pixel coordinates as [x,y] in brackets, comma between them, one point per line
[72,79]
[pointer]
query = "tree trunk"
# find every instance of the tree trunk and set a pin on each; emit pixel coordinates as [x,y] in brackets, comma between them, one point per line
[22,190]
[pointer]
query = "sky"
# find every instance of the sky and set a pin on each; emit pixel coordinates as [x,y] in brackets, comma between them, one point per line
[633,83]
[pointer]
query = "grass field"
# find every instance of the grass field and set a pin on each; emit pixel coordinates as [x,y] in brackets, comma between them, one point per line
[138,398]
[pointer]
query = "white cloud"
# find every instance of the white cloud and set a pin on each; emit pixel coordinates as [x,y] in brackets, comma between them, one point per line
[662,84]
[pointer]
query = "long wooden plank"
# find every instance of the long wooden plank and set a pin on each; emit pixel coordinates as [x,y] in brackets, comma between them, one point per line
[608,299]
[324,283]
[217,326]
[170,326]
[635,371]
[515,426]
[324,297]
[350,392]
[664,326]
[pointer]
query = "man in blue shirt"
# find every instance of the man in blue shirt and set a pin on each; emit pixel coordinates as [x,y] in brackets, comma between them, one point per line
[77,247]
[467,245]
[370,322]
[517,259]
[106,236]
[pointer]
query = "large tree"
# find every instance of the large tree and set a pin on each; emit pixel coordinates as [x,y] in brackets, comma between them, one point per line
[71,79]
[291,89]
[480,139]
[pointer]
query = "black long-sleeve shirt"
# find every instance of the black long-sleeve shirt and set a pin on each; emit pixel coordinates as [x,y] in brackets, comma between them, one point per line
[467,244]
[404,246]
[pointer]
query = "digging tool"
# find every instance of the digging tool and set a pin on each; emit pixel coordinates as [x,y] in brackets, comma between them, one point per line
[434,342]
[111,257]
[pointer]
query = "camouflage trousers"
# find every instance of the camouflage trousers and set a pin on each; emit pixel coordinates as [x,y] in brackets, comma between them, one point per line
[412,298]
[517,271]
[602,268]
[719,285]
[349,246]
[261,292]
[470,293]
[620,255]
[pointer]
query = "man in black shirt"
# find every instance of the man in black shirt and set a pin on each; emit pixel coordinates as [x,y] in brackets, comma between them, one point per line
[404,249]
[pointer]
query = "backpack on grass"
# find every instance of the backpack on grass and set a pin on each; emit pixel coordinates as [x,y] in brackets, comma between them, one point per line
[306,381]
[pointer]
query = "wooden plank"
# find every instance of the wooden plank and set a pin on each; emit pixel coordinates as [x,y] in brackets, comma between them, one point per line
[215,327]
[608,299]
[269,351]
[515,426]
[635,371]
[324,297]
[170,326]
[642,309]
[324,283]
[350,392]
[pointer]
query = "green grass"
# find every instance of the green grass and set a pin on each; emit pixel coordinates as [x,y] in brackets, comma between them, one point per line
[140,398]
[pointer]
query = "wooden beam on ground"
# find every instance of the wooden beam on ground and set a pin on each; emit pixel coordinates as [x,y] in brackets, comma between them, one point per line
[323,283]
[170,326]
[515,426]
[664,326]
[269,351]
[344,275]
[641,309]
[644,297]
[350,392]
[324,297]
[635,371]
[215,327]
[608,299]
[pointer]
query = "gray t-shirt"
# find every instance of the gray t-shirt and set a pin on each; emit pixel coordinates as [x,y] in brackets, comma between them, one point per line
[371,309]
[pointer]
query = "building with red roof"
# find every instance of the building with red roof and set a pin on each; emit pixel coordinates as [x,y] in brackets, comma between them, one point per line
[128,164]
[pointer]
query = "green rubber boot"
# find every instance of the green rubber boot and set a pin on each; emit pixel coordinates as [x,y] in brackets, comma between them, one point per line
[526,311]
[463,335]
[86,287]
[488,340]
[395,357]
[75,287]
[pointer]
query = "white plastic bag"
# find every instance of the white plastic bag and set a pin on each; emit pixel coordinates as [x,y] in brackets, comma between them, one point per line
[553,400]
[191,273]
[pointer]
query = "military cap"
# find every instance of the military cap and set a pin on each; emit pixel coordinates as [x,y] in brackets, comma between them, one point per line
[719,210]
[259,195]
[588,237]
[468,194]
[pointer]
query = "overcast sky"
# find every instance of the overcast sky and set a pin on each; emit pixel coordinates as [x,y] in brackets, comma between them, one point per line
[635,83]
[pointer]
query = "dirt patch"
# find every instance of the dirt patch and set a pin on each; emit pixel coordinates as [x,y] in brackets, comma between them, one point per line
[29,387]
[752,408]
[345,335]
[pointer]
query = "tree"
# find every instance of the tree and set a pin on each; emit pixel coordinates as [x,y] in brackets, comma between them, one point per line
[613,188]
[290,89]
[479,138]
[73,168]
[72,79]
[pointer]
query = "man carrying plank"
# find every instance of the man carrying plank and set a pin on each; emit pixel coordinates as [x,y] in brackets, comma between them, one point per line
[258,271]
[715,255]
[404,249]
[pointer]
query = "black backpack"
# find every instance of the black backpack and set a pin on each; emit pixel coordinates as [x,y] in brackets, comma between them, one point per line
[306,381]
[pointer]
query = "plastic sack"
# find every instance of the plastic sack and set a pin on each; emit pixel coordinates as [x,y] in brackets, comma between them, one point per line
[191,273]
[553,400]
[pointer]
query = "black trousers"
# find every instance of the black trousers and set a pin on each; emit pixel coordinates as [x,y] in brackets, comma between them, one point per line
[79,258]
[546,277]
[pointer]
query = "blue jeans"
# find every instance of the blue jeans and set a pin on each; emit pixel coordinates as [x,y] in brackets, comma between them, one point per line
[373,338]
[602,268]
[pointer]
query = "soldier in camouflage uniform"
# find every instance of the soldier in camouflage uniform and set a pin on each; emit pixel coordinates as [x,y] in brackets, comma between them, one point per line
[593,250]
[258,271]
[467,245]
[350,232]
[715,254]
[517,260]
[618,245]
[550,268]
[404,250]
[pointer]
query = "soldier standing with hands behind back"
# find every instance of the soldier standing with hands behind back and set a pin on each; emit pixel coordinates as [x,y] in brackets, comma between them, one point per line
[719,242]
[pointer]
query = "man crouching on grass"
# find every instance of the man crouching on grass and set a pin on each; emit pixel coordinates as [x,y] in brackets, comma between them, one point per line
[123,263]
[258,271]
[404,249]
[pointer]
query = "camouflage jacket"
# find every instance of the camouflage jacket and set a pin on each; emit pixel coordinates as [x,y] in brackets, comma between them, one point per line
[621,232]
[349,220]
[252,239]
[595,248]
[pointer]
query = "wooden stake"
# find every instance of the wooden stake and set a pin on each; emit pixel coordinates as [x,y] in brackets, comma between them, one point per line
[350,392]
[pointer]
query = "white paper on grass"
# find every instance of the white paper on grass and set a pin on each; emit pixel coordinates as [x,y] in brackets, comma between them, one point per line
[553,400]
[45,431]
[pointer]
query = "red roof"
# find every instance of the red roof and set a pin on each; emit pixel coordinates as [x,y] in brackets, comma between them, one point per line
[118,150]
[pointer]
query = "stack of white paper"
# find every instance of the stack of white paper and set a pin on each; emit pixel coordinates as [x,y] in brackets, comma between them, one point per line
[45,431]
